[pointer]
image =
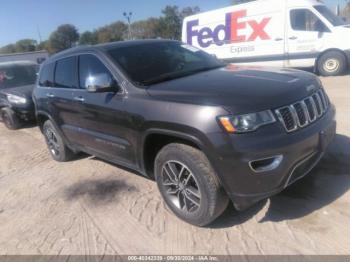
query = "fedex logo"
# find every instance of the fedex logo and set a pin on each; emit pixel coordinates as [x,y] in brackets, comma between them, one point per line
[231,30]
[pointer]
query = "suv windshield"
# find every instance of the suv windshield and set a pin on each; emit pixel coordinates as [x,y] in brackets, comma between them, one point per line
[152,63]
[329,15]
[17,75]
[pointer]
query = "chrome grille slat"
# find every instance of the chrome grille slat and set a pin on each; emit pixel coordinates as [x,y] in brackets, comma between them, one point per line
[323,109]
[324,104]
[295,116]
[317,104]
[286,117]
[325,99]
[310,104]
[304,112]
[302,116]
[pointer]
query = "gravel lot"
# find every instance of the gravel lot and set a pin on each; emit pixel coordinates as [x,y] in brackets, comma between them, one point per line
[90,207]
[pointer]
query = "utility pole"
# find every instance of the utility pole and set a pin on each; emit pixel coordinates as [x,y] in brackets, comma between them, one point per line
[39,34]
[128,18]
[337,10]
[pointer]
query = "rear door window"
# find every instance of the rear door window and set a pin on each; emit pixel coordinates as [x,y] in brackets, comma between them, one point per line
[66,73]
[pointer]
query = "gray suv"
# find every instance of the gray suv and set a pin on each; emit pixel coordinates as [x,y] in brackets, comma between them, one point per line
[205,131]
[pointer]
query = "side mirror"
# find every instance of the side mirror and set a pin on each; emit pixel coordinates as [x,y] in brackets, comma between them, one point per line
[100,83]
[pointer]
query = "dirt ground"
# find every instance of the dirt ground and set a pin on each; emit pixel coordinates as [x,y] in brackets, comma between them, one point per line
[90,207]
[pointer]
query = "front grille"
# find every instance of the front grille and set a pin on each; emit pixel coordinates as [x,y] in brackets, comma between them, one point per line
[305,112]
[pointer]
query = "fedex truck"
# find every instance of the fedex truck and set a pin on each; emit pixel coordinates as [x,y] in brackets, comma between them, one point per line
[282,33]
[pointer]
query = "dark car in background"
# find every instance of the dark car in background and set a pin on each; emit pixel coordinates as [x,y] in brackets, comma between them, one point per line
[207,132]
[17,80]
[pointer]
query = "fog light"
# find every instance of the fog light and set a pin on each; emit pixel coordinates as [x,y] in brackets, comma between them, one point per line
[266,164]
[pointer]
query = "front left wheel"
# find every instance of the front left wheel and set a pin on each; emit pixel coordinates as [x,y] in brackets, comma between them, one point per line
[10,119]
[189,185]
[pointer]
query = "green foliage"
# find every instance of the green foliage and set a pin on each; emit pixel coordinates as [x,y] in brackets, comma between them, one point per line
[44,45]
[7,49]
[112,33]
[64,37]
[168,26]
[109,33]
[21,46]
[346,11]
[26,45]
[88,38]
[146,29]
[170,23]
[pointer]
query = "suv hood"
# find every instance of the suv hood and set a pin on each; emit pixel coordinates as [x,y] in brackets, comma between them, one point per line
[25,91]
[239,89]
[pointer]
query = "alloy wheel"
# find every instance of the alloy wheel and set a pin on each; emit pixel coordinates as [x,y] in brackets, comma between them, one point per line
[52,142]
[181,187]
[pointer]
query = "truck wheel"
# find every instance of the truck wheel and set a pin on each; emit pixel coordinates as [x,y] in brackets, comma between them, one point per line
[10,119]
[332,63]
[58,150]
[189,185]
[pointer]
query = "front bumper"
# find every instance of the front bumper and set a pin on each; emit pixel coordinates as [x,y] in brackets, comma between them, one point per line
[25,113]
[301,151]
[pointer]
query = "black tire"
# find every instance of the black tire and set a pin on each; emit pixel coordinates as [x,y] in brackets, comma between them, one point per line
[10,119]
[212,199]
[332,63]
[58,150]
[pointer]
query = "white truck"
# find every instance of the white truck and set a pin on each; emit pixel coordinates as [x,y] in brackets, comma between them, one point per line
[282,33]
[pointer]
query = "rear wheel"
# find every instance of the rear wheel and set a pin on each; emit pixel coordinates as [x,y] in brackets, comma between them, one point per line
[332,63]
[10,119]
[58,150]
[189,185]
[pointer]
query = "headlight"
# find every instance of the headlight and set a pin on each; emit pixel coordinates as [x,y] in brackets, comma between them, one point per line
[13,99]
[248,122]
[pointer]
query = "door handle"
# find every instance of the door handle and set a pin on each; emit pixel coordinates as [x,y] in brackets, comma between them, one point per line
[278,39]
[293,38]
[79,98]
[49,95]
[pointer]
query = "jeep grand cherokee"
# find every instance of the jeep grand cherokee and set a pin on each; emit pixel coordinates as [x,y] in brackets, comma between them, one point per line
[205,131]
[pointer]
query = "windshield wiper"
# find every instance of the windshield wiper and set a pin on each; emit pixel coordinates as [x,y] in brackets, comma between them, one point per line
[171,76]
